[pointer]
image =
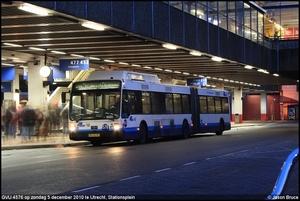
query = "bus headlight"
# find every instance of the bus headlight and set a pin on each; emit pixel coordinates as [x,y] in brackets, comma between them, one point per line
[72,127]
[116,126]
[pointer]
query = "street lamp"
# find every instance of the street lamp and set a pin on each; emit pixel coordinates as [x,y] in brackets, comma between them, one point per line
[45,71]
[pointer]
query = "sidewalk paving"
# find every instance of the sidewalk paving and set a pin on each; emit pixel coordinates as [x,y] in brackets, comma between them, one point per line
[60,140]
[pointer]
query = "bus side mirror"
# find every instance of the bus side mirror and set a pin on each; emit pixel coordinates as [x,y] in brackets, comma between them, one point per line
[64,96]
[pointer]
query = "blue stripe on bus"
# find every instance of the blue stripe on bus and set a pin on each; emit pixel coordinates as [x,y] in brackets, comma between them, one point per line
[204,127]
[131,133]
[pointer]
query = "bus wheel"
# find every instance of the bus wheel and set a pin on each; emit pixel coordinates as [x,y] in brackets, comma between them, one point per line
[143,133]
[185,130]
[221,128]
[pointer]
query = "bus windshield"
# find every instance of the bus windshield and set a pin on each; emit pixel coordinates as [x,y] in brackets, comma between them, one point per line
[95,104]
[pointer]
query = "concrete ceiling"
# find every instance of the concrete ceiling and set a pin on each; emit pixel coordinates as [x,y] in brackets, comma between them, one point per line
[64,33]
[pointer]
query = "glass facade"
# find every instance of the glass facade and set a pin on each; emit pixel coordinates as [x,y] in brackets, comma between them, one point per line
[247,20]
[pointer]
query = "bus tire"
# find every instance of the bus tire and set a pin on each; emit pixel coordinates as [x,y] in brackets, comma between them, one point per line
[185,130]
[142,133]
[221,128]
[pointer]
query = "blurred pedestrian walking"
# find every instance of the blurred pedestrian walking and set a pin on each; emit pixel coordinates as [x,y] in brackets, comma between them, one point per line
[29,117]
[13,121]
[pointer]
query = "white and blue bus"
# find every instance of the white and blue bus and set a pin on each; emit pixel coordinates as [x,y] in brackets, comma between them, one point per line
[122,106]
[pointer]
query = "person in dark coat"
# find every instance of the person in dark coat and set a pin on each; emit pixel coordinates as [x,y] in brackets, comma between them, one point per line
[65,121]
[13,124]
[6,118]
[29,117]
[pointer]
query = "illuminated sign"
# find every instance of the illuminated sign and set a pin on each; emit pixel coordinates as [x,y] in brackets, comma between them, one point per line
[197,82]
[8,73]
[97,85]
[5,86]
[73,64]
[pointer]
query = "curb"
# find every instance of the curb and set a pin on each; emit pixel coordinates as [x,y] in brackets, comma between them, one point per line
[53,145]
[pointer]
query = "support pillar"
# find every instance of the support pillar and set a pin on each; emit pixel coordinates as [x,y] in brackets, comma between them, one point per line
[263,106]
[237,112]
[37,94]
[220,86]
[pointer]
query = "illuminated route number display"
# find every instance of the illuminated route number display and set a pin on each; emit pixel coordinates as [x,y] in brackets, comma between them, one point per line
[74,64]
[77,62]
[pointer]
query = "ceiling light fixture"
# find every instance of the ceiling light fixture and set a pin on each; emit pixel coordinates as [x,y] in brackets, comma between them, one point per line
[263,71]
[216,58]
[93,25]
[94,58]
[110,61]
[4,64]
[33,9]
[123,63]
[195,53]
[58,52]
[169,46]
[76,55]
[36,48]
[248,67]
[19,61]
[44,39]
[12,44]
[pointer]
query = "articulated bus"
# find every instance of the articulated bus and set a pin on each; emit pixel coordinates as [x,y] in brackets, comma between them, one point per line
[115,106]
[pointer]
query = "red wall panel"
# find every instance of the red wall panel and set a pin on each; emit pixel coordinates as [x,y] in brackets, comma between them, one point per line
[251,107]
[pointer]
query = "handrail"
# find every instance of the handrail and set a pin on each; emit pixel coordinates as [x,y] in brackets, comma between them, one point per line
[284,175]
[82,75]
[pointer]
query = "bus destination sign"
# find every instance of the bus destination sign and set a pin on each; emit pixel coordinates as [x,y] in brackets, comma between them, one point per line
[97,85]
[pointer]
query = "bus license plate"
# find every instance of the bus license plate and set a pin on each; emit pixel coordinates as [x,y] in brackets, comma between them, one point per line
[94,135]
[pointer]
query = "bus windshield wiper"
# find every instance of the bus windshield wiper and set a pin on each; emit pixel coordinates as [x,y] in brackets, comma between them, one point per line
[78,117]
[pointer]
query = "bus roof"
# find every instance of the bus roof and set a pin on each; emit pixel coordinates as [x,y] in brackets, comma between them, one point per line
[149,82]
[124,75]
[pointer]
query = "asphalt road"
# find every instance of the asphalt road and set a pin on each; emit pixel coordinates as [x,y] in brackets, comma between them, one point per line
[243,163]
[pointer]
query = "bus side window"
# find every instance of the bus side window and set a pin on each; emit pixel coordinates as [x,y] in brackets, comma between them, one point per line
[211,105]
[146,106]
[177,103]
[169,103]
[203,104]
[156,103]
[186,103]
[131,102]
